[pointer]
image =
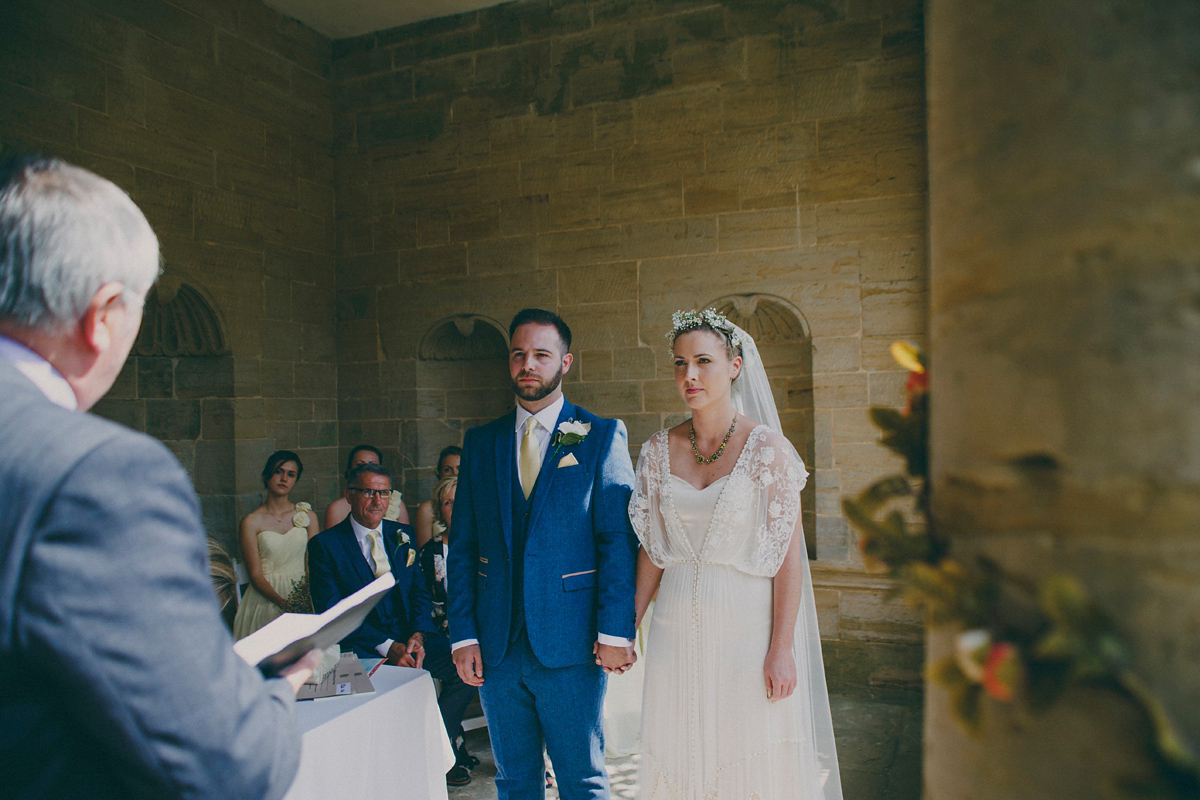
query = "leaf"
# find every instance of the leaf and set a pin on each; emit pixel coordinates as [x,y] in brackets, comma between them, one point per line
[1059,645]
[883,490]
[907,355]
[946,673]
[887,419]
[1064,600]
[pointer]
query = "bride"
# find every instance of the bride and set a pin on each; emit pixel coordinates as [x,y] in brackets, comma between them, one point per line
[735,702]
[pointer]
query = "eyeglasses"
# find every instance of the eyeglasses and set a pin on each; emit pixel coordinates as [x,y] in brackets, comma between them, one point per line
[372,494]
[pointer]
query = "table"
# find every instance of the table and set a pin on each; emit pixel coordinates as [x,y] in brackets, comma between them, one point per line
[388,744]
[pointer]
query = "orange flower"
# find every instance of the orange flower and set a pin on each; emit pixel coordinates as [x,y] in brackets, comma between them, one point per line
[1002,671]
[917,383]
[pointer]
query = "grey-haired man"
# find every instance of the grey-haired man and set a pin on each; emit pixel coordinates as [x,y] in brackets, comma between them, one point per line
[119,673]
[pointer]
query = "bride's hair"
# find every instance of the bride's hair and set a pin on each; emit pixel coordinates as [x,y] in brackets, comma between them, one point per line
[707,320]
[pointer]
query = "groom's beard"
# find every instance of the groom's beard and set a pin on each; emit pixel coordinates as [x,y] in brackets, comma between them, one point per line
[536,391]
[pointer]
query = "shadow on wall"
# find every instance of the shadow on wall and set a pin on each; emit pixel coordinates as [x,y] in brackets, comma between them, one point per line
[177,386]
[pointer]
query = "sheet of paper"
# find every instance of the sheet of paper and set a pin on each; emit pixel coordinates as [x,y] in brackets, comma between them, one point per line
[348,677]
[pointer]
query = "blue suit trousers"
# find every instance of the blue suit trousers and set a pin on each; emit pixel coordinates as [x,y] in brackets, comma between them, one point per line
[557,708]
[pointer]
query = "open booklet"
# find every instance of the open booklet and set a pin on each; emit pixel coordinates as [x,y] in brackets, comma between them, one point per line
[274,647]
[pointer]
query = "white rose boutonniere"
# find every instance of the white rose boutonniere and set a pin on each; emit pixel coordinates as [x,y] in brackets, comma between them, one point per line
[570,432]
[300,519]
[411,556]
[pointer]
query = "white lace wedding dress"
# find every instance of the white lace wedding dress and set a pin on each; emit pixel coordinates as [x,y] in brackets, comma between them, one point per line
[708,730]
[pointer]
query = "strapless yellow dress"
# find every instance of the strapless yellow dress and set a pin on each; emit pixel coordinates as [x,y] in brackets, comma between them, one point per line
[282,557]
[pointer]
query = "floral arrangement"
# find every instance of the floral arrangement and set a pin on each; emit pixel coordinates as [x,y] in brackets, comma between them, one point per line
[682,321]
[1017,642]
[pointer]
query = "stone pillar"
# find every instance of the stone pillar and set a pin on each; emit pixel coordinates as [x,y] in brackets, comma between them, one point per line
[1064,158]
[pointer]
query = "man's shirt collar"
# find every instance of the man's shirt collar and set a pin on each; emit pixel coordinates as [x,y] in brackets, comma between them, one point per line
[546,417]
[40,371]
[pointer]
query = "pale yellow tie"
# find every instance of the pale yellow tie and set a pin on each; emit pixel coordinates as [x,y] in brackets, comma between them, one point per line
[382,567]
[529,462]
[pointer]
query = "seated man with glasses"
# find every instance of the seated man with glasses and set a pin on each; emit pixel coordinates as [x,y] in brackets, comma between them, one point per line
[400,629]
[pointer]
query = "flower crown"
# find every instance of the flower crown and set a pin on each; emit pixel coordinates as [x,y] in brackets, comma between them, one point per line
[683,321]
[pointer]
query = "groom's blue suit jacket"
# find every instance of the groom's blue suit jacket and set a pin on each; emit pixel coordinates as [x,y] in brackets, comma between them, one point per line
[580,551]
[337,569]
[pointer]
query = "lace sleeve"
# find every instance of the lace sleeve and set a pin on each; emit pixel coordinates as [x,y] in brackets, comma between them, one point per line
[645,503]
[780,473]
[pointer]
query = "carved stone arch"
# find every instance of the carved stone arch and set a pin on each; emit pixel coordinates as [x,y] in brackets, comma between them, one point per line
[180,319]
[785,344]
[769,319]
[464,337]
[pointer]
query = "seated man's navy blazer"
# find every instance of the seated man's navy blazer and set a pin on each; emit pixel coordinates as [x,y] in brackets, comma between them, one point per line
[337,569]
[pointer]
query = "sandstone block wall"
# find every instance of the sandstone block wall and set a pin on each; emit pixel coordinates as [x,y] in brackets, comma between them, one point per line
[216,117]
[616,161]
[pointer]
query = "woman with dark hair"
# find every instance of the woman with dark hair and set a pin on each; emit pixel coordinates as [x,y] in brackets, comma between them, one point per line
[427,514]
[274,539]
[339,509]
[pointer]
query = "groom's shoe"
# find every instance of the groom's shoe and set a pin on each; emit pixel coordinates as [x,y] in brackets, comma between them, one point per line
[458,776]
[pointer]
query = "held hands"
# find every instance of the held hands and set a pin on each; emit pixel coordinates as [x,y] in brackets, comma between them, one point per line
[468,660]
[614,660]
[779,669]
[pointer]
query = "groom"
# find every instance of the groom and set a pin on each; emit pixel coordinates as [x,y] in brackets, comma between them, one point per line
[541,571]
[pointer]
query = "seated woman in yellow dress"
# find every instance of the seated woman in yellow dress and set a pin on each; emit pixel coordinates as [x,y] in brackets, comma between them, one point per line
[274,540]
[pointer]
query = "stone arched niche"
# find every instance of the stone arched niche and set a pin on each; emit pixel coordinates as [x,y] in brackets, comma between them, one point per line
[180,320]
[464,337]
[782,335]
[461,381]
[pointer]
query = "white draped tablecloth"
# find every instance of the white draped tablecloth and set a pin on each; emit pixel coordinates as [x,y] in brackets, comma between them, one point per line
[387,744]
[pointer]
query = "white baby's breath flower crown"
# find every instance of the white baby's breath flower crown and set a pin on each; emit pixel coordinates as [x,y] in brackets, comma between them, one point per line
[683,321]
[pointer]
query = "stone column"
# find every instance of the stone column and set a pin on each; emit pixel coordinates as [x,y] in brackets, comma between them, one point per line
[1064,158]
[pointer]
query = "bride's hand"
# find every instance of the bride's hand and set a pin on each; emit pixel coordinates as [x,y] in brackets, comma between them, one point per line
[780,672]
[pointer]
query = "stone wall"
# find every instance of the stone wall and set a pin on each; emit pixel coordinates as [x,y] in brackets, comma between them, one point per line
[616,161]
[216,117]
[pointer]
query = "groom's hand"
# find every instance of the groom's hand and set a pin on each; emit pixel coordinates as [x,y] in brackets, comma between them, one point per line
[614,660]
[469,663]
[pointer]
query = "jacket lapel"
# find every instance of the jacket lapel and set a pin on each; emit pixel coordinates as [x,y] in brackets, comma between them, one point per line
[506,463]
[545,481]
[354,555]
[391,546]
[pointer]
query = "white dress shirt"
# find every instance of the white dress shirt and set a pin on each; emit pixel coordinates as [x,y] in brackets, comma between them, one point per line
[547,418]
[40,372]
[364,544]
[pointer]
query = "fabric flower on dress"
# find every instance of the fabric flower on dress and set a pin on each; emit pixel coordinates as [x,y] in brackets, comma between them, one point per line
[439,568]
[774,508]
[300,519]
[767,454]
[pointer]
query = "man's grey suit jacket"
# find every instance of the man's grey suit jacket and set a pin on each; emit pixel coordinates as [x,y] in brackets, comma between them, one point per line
[118,675]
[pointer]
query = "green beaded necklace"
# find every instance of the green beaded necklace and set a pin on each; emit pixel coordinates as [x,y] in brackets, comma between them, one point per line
[696,452]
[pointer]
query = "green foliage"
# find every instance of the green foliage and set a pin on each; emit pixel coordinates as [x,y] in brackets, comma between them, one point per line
[1041,638]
